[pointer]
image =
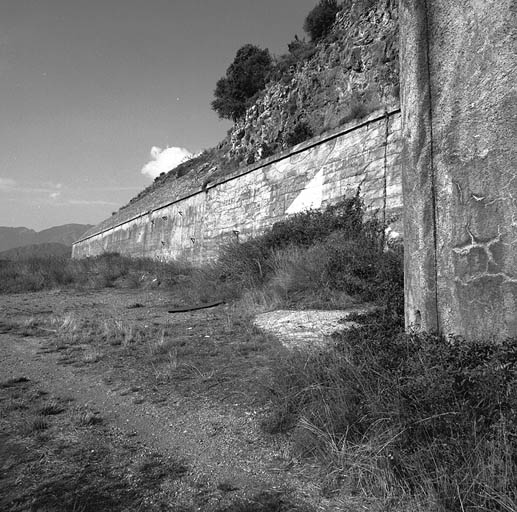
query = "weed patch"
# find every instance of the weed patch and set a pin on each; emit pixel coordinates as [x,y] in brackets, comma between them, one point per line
[266,502]
[52,461]
[317,258]
[109,270]
[409,415]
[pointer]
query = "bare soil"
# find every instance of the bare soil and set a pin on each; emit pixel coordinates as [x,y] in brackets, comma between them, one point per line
[157,411]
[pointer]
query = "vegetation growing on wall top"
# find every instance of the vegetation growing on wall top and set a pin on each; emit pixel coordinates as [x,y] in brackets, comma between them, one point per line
[247,75]
[320,20]
[318,85]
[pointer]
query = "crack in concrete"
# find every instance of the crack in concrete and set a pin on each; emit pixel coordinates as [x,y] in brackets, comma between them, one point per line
[476,243]
[506,278]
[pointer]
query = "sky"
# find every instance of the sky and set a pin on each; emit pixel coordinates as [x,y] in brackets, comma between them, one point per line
[99,96]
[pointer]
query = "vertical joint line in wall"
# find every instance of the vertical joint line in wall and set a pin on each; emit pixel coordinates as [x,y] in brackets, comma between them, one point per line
[385,183]
[432,170]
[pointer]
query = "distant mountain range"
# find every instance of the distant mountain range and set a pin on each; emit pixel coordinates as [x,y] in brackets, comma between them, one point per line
[56,240]
[40,250]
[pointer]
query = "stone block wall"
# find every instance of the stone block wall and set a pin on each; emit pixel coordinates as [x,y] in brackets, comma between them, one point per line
[311,175]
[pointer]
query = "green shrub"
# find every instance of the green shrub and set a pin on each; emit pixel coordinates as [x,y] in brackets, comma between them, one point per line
[313,254]
[250,262]
[306,228]
[246,263]
[299,51]
[360,106]
[246,76]
[320,20]
[34,274]
[301,132]
[406,413]
[267,150]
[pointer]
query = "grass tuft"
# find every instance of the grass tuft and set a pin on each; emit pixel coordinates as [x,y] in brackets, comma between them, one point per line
[13,382]
[38,424]
[110,270]
[392,414]
[51,408]
[85,417]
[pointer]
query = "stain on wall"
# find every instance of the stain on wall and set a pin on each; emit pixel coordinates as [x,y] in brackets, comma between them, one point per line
[459,103]
[318,172]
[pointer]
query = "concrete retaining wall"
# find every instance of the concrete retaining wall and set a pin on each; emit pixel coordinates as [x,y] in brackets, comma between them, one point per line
[459,103]
[311,175]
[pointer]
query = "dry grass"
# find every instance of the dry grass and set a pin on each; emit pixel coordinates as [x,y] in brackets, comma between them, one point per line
[105,271]
[399,423]
[213,353]
[57,456]
[71,459]
[405,419]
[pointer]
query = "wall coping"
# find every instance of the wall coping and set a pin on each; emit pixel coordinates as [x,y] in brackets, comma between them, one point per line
[243,171]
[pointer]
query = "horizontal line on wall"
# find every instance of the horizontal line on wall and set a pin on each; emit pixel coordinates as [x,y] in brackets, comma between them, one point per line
[300,148]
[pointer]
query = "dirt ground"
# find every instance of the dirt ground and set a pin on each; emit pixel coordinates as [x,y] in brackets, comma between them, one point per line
[173,402]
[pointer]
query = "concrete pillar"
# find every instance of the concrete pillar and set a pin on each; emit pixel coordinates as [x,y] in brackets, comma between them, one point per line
[459,108]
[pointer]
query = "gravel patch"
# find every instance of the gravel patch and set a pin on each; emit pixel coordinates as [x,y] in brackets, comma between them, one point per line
[308,328]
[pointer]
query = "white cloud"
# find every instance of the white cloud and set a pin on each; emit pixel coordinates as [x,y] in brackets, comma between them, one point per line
[164,160]
[7,183]
[57,191]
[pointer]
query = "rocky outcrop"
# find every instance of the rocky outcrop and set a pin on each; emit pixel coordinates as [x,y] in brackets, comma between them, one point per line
[349,74]
[353,71]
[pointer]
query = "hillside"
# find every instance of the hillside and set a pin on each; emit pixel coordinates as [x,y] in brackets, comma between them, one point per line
[37,250]
[66,235]
[345,76]
[352,72]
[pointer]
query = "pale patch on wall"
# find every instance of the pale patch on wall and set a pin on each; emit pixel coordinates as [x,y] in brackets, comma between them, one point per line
[311,197]
[194,227]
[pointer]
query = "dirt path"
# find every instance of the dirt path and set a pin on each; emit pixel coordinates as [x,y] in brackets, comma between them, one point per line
[208,437]
[222,442]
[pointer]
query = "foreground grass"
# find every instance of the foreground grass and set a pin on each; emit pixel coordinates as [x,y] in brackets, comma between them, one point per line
[398,421]
[395,421]
[110,270]
[58,456]
[415,419]
[220,355]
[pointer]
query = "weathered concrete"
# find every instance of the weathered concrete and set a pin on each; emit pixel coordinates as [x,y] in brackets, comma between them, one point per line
[312,174]
[458,76]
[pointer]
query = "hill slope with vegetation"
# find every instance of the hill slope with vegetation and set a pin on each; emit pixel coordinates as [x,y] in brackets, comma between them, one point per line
[346,69]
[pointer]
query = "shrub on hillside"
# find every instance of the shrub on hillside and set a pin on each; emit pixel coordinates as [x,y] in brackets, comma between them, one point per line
[301,132]
[397,413]
[250,261]
[246,76]
[311,255]
[299,51]
[360,105]
[320,20]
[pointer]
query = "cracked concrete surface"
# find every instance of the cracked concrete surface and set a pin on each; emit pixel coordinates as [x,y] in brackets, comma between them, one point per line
[460,165]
